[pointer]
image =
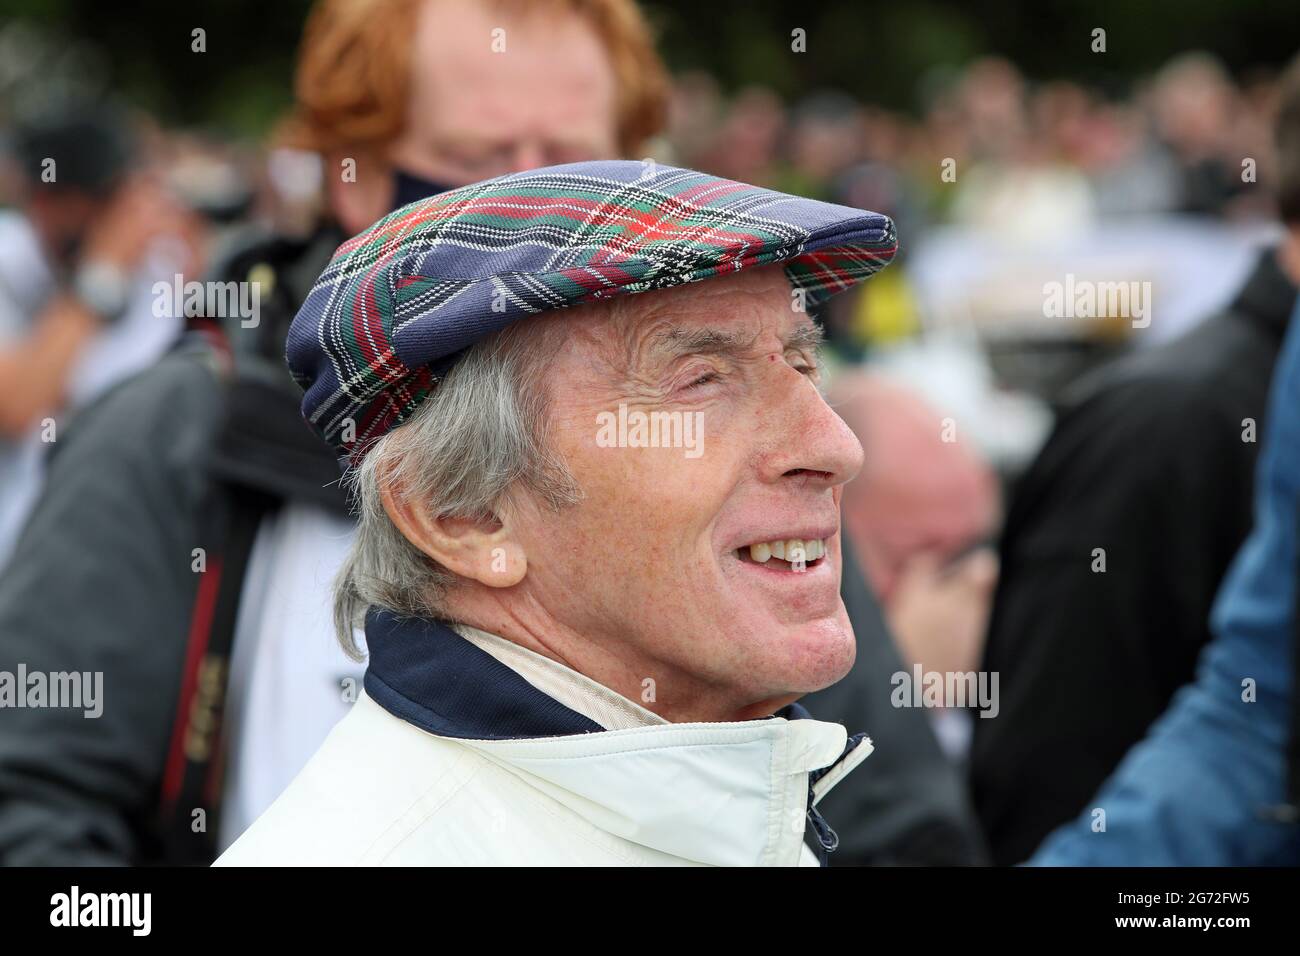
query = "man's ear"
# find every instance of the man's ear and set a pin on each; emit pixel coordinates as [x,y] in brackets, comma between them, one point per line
[481,549]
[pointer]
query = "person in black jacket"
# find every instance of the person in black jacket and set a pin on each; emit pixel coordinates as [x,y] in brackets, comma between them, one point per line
[1116,542]
[911,809]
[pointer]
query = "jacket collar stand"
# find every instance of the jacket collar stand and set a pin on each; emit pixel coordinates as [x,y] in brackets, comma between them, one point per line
[721,793]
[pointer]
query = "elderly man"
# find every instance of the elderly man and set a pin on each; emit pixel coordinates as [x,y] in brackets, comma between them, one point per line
[585,642]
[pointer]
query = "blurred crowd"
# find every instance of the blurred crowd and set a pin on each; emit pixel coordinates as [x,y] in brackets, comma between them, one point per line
[971,403]
[1051,156]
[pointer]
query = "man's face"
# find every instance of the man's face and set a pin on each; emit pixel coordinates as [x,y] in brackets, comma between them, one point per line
[654,564]
[919,494]
[494,94]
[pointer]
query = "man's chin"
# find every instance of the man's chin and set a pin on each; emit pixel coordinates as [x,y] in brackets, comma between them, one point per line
[808,656]
[837,651]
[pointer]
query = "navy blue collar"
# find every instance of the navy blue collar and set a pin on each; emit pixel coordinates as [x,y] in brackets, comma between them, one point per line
[425,673]
[428,675]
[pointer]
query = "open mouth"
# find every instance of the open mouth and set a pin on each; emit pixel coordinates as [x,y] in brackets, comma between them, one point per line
[790,554]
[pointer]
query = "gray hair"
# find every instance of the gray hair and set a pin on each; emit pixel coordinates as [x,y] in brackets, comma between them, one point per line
[479,433]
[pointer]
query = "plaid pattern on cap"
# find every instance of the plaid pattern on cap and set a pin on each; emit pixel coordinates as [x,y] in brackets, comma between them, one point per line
[398,302]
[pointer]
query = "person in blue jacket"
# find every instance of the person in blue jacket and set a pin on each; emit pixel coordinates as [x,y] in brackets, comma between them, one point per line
[1209,784]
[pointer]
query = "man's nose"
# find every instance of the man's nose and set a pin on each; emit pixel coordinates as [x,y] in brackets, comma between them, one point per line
[527,154]
[809,440]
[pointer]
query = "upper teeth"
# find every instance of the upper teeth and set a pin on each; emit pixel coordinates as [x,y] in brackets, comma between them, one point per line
[791,549]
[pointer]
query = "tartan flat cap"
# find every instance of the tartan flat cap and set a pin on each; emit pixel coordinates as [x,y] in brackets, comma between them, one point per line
[398,303]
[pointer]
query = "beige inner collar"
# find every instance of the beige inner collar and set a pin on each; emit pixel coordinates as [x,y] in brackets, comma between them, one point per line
[576,691]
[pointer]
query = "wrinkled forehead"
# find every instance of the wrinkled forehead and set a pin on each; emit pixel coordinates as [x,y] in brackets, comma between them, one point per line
[755,308]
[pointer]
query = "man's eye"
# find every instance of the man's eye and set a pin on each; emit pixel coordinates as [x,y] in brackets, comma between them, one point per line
[804,366]
[704,379]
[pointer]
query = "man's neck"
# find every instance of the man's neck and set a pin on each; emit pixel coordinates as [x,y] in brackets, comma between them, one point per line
[611,663]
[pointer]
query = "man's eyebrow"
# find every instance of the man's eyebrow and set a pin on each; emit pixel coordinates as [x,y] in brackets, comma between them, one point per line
[808,338]
[676,342]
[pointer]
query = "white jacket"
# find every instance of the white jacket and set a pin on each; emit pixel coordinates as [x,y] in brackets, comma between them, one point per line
[384,791]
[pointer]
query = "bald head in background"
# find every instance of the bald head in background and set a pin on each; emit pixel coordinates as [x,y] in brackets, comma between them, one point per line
[918,513]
